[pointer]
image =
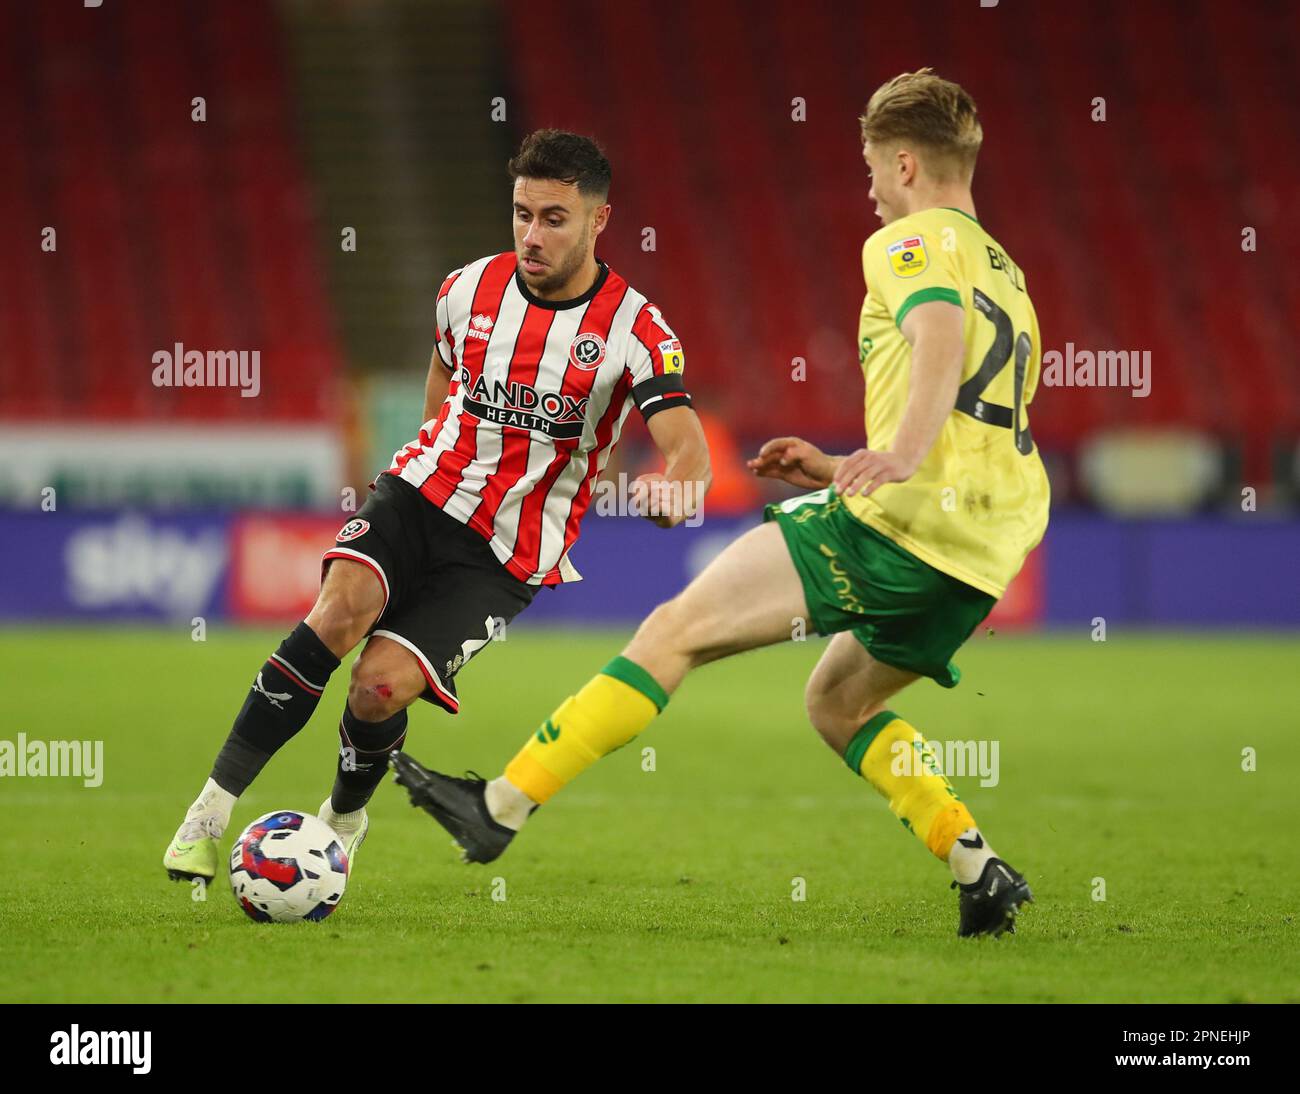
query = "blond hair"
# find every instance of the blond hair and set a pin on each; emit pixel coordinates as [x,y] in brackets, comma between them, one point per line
[934,114]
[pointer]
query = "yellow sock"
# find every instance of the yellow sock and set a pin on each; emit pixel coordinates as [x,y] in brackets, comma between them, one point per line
[894,758]
[611,709]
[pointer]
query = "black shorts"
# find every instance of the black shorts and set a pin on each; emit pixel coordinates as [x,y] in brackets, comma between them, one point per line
[445,594]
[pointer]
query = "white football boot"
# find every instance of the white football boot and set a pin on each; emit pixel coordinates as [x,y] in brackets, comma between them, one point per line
[351,829]
[193,850]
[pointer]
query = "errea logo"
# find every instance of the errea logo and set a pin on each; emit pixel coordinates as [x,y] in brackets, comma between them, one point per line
[480,326]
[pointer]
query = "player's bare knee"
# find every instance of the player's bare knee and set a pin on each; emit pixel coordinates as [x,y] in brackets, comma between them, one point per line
[658,627]
[337,625]
[386,678]
[671,629]
[820,714]
[348,603]
[373,698]
[828,715]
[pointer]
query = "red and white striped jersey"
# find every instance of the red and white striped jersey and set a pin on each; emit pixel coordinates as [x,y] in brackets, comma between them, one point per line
[538,395]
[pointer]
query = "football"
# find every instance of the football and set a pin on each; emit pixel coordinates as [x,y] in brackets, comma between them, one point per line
[286,867]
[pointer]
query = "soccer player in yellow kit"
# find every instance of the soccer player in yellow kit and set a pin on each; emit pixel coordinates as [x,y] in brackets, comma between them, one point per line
[900,551]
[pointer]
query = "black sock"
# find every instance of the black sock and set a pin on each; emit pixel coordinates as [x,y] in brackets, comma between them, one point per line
[280,702]
[363,758]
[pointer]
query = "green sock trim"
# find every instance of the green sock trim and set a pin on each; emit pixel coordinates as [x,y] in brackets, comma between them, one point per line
[634,676]
[863,738]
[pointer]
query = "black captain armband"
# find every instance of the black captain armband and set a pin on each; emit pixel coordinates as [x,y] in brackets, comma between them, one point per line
[660,393]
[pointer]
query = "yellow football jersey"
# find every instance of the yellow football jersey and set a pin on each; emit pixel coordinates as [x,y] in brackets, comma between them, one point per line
[977,504]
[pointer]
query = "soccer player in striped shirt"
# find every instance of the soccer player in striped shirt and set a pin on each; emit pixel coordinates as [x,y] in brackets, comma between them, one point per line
[540,354]
[899,552]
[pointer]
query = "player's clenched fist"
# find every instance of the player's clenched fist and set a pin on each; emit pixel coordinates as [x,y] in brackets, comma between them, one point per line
[795,461]
[864,470]
[659,499]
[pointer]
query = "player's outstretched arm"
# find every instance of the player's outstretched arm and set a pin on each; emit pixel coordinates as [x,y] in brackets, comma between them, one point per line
[668,497]
[796,461]
[935,331]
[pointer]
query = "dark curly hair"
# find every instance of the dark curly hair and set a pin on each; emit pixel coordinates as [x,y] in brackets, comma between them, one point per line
[566,157]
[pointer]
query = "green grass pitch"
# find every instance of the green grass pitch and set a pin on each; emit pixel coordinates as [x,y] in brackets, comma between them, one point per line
[1119,760]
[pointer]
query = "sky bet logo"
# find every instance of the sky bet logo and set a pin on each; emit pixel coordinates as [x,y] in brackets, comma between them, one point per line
[561,417]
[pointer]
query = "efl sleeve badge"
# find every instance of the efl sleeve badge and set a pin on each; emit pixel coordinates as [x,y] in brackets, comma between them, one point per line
[671,352]
[908,257]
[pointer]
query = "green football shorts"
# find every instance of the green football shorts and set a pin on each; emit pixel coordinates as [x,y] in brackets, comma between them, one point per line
[904,611]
